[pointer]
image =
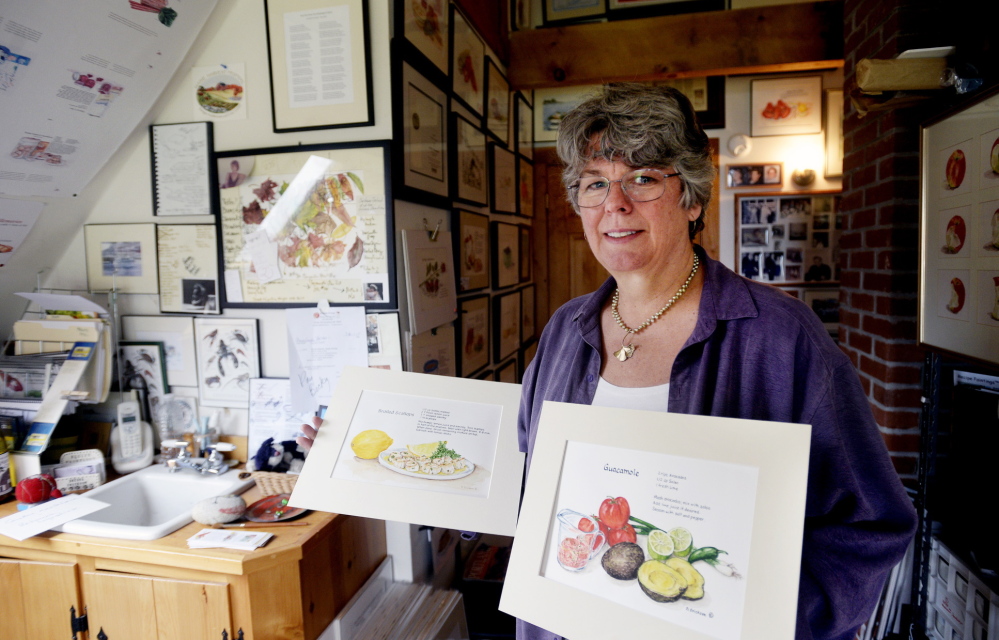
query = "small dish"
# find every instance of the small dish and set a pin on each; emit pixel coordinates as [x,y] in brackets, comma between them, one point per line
[273,509]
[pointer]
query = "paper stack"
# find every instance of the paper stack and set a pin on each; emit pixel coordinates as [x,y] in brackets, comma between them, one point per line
[224,539]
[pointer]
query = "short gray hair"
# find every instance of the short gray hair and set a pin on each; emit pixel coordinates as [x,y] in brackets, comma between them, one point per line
[643,126]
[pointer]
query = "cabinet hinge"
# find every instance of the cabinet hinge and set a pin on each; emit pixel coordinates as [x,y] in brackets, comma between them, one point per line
[78,624]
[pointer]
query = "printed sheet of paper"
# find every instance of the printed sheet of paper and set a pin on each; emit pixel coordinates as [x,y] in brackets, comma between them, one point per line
[320,344]
[415,448]
[30,522]
[16,221]
[705,483]
[271,414]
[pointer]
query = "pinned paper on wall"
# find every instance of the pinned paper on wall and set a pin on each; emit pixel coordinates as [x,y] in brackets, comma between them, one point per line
[321,342]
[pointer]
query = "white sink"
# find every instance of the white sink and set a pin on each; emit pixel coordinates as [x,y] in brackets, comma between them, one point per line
[152,502]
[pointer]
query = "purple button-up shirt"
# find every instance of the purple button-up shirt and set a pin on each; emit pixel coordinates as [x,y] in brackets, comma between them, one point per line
[758,353]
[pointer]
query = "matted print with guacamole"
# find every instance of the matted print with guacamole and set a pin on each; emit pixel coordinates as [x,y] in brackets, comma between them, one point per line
[433,444]
[665,535]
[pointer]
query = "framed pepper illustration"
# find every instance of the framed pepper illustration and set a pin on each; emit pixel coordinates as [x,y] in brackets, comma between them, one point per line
[472,249]
[306,224]
[473,335]
[425,26]
[468,56]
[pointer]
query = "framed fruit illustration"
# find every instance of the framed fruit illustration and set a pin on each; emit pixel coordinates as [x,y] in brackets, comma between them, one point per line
[473,337]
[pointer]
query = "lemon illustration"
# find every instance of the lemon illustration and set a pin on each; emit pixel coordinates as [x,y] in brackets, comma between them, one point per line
[424,449]
[368,444]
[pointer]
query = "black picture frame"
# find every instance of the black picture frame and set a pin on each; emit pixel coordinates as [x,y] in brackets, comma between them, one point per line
[525,187]
[504,241]
[373,157]
[475,62]
[498,111]
[417,35]
[502,179]
[524,263]
[472,250]
[468,155]
[523,138]
[551,16]
[311,118]
[661,8]
[473,334]
[419,175]
[505,345]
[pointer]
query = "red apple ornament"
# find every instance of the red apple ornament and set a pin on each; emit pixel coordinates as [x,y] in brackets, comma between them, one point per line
[35,489]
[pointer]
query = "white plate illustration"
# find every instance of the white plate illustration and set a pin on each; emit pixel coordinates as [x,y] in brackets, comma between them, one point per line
[426,476]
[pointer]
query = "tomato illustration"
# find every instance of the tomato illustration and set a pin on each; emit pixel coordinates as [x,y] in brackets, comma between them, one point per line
[623,534]
[614,512]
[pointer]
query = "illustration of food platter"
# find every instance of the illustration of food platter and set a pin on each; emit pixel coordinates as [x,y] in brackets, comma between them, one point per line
[415,466]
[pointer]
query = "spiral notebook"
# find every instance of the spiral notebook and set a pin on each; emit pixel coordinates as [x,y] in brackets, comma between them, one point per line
[183,174]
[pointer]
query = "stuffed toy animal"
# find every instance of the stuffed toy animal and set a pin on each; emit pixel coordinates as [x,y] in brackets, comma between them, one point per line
[277,456]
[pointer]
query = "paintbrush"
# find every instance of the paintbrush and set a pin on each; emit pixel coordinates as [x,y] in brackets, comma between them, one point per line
[256,525]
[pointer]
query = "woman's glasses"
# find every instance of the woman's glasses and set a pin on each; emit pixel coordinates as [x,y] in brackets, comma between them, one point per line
[641,185]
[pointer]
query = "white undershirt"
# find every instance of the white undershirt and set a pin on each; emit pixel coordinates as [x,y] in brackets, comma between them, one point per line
[646,398]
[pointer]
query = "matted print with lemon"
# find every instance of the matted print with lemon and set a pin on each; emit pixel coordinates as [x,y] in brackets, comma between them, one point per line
[959,231]
[428,450]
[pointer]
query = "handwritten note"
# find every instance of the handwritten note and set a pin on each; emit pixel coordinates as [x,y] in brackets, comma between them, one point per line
[31,522]
[320,344]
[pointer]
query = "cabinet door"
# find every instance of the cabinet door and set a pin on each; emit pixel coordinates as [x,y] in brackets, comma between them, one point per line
[36,599]
[128,606]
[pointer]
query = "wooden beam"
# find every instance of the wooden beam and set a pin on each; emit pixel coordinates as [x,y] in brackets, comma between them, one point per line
[782,38]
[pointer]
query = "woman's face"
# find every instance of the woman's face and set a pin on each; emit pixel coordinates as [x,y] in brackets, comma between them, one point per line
[639,238]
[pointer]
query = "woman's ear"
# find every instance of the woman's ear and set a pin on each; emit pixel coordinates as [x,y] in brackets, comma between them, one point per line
[694,212]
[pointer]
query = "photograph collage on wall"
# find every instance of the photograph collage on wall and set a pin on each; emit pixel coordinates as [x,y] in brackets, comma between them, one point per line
[786,238]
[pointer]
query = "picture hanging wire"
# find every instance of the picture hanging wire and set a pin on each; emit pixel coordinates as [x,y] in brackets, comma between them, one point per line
[432,234]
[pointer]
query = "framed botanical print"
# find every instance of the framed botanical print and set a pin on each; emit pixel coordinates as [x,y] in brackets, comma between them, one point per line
[142,367]
[470,173]
[525,126]
[473,337]
[308,223]
[472,249]
[506,254]
[187,256]
[333,89]
[176,334]
[526,255]
[506,324]
[497,102]
[425,26]
[525,188]
[786,106]
[503,172]
[228,356]
[468,55]
[424,124]
[121,257]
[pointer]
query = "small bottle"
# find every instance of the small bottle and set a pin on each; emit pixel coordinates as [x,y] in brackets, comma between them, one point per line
[6,482]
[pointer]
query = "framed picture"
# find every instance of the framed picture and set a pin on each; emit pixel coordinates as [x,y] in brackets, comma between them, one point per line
[328,233]
[228,357]
[786,106]
[430,283]
[526,255]
[770,175]
[424,135]
[176,334]
[469,164]
[550,105]
[528,324]
[834,132]
[706,95]
[376,452]
[425,26]
[321,77]
[142,368]
[959,231]
[384,342]
[472,248]
[468,56]
[497,102]
[525,126]
[507,372]
[187,256]
[825,304]
[503,169]
[525,188]
[121,257]
[731,482]
[560,11]
[432,351]
[473,337]
[506,325]
[788,238]
[183,171]
[629,9]
[506,254]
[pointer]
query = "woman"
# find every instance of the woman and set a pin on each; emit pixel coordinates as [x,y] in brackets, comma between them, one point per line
[675,330]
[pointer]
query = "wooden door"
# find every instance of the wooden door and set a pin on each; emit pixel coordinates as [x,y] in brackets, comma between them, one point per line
[132,606]
[36,599]
[564,265]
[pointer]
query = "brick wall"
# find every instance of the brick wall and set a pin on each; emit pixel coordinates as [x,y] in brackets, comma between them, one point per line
[879,244]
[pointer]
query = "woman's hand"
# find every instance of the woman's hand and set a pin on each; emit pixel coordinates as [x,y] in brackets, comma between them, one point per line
[305,442]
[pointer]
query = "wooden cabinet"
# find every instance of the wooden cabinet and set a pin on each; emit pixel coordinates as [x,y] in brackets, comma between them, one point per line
[289,589]
[36,598]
